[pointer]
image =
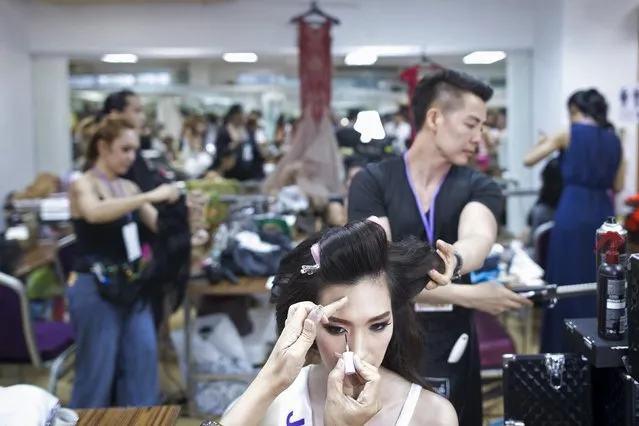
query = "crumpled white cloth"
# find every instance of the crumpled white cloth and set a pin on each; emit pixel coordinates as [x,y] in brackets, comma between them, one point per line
[291,199]
[524,268]
[26,405]
[252,241]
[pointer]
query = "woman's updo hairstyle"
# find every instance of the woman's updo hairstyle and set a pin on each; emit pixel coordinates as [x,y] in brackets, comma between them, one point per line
[108,130]
[191,125]
[347,255]
[592,104]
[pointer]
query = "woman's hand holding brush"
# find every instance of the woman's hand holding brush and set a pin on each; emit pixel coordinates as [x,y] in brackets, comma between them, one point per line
[352,399]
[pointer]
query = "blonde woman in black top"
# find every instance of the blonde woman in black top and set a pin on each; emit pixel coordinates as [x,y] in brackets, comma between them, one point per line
[116,360]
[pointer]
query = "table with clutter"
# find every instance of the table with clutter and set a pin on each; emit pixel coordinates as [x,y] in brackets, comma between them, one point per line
[233,257]
[512,265]
[198,288]
[42,254]
[165,415]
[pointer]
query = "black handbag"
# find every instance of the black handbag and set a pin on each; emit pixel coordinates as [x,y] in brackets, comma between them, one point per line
[118,284]
[632,302]
[617,398]
[547,389]
[631,388]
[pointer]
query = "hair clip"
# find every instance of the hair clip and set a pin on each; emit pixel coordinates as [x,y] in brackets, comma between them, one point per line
[311,269]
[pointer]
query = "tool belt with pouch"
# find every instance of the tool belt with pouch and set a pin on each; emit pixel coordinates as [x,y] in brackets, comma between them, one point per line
[117,283]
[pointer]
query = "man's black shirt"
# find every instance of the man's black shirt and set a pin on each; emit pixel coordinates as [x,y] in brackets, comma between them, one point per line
[382,189]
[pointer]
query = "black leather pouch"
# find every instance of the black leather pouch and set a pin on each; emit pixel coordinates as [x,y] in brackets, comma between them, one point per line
[118,284]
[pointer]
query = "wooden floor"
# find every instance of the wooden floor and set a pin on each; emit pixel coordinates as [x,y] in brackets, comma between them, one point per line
[170,378]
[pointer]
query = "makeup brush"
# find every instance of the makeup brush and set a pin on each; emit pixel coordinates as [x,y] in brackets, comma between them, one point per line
[349,364]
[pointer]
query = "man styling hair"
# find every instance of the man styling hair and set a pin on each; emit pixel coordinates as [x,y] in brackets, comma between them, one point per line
[431,193]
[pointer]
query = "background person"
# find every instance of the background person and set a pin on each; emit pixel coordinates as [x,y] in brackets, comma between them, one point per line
[430,193]
[591,165]
[116,358]
[544,209]
[237,137]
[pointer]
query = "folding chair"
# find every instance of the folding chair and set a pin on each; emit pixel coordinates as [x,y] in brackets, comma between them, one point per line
[45,345]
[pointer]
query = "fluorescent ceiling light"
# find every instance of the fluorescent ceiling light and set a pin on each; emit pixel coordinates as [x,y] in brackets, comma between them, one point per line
[120,58]
[484,57]
[361,57]
[240,57]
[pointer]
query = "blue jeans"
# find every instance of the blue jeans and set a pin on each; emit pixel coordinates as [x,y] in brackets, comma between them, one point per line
[116,361]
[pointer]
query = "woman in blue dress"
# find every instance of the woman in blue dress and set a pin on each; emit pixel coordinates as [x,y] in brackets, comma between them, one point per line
[592,165]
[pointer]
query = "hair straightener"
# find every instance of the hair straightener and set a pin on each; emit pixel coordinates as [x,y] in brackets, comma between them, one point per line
[553,292]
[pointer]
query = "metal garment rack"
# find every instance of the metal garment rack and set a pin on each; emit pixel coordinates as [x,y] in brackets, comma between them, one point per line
[33,205]
[261,198]
[520,192]
[54,209]
[27,206]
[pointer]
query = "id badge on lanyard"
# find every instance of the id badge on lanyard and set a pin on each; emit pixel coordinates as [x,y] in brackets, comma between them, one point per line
[132,241]
[428,220]
[247,152]
[130,233]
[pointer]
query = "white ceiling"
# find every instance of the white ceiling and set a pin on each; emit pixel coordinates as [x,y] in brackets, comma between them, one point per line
[200,29]
[287,65]
[89,2]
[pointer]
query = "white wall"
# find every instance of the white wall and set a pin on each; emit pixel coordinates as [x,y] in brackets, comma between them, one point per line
[519,134]
[580,44]
[548,106]
[52,114]
[17,163]
[191,30]
[601,49]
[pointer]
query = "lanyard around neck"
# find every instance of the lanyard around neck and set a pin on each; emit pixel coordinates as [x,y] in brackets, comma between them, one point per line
[116,193]
[428,222]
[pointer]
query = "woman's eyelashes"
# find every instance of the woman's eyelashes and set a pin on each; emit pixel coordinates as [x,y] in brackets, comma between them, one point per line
[337,330]
[380,326]
[334,330]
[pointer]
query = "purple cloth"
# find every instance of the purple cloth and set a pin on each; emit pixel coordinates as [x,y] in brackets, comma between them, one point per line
[494,341]
[52,338]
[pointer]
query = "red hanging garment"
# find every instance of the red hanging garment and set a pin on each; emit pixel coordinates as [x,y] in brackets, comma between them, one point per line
[315,67]
[313,161]
[410,76]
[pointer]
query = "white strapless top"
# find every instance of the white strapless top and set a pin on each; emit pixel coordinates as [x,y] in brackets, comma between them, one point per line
[294,404]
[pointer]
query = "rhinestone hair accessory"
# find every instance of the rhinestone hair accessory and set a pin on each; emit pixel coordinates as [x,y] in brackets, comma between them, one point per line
[311,269]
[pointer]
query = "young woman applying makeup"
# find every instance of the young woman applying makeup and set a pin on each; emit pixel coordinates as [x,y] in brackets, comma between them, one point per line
[366,284]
